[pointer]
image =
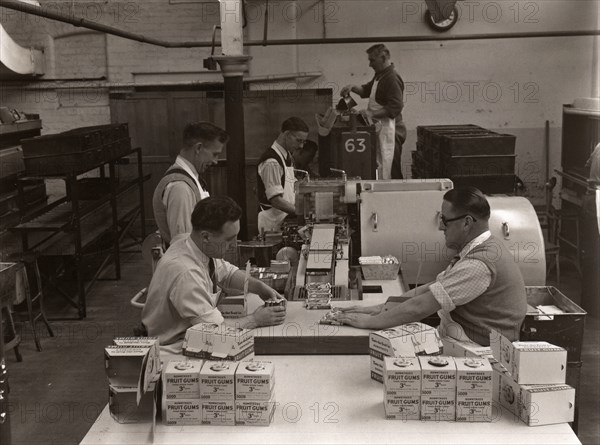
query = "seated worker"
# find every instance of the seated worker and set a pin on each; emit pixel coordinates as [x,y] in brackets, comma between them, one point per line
[482,288]
[275,187]
[181,186]
[304,159]
[184,289]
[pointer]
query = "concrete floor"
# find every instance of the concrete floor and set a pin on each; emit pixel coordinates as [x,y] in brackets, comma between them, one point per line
[57,394]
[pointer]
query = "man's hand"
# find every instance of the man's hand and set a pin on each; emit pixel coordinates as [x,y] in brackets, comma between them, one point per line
[346,90]
[370,310]
[355,319]
[271,294]
[268,316]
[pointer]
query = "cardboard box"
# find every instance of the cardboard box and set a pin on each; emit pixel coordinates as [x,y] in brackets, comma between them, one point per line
[438,408]
[124,408]
[217,380]
[530,362]
[474,386]
[438,374]
[546,404]
[233,307]
[403,408]
[254,413]
[218,412]
[149,342]
[130,366]
[406,340]
[457,348]
[438,388]
[181,380]
[183,412]
[376,365]
[218,342]
[254,380]
[402,377]
[534,404]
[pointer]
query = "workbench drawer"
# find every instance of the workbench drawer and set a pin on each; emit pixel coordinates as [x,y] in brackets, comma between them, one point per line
[564,330]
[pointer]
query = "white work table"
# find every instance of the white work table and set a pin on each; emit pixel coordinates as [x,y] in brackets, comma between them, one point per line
[331,399]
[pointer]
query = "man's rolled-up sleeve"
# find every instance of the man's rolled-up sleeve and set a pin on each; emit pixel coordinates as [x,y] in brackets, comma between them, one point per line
[270,172]
[467,280]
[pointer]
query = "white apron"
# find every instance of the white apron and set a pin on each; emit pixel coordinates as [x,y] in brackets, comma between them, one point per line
[271,219]
[385,138]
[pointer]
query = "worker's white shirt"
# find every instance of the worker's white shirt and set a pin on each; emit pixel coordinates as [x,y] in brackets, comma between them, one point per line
[270,171]
[459,284]
[179,200]
[181,294]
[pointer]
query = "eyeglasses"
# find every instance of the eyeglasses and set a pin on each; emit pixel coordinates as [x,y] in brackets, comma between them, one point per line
[299,140]
[445,221]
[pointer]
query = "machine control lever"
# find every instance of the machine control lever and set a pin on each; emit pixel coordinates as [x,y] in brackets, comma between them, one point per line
[505,229]
[304,172]
[336,170]
[375,222]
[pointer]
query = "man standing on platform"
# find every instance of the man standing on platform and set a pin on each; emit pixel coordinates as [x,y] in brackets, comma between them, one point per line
[385,92]
[182,187]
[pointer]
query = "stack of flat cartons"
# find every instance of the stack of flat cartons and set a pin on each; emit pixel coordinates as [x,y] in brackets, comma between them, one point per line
[132,366]
[529,381]
[407,340]
[218,342]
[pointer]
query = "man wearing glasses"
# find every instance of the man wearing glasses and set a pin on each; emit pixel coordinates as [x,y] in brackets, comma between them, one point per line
[482,288]
[182,187]
[276,178]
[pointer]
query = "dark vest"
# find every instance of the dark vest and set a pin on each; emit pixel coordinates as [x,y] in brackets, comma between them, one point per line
[503,305]
[263,202]
[173,173]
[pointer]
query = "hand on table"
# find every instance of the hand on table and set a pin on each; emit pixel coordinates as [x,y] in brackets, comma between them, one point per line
[269,316]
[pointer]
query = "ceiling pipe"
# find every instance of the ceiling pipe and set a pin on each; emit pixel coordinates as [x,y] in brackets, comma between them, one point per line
[80,22]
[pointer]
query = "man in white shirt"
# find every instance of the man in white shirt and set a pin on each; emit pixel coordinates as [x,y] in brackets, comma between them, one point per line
[481,290]
[276,178]
[182,186]
[185,286]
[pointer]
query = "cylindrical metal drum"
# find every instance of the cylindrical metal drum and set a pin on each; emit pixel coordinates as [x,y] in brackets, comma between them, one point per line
[514,220]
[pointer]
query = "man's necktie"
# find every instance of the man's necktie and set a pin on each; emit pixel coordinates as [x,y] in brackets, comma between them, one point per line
[203,183]
[454,260]
[211,273]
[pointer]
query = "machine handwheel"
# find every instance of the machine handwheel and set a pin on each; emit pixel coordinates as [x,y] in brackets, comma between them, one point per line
[443,25]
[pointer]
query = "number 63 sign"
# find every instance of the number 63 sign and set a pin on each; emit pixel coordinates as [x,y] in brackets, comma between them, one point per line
[356,142]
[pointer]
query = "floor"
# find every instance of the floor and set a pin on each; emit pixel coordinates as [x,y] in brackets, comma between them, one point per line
[56,394]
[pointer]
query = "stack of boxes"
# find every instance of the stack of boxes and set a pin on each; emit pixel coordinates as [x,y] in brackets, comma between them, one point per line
[181,393]
[217,391]
[224,393]
[132,366]
[529,381]
[438,388]
[318,296]
[255,393]
[407,340]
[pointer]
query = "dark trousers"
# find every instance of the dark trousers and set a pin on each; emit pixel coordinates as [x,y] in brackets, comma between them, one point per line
[397,162]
